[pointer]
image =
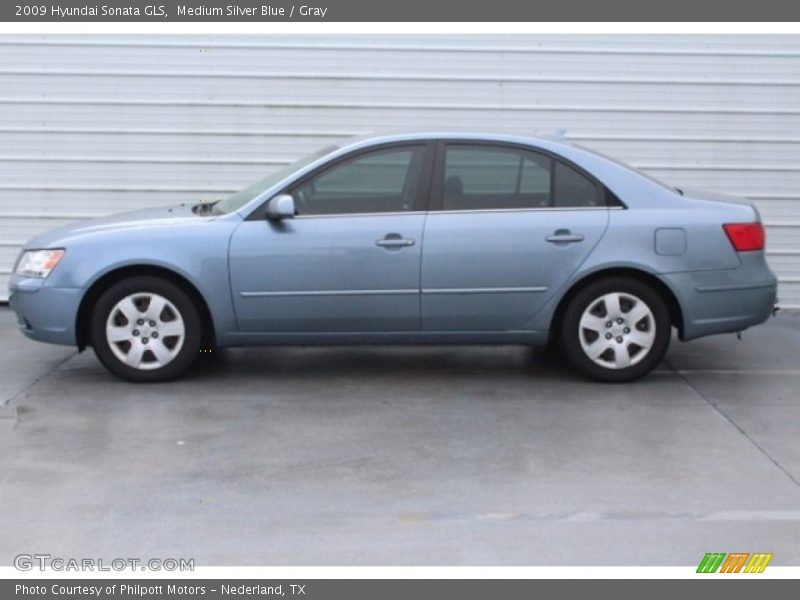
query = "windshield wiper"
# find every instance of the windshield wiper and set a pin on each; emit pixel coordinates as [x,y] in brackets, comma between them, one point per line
[204,208]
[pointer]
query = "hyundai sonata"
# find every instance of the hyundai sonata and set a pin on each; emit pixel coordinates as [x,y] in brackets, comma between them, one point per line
[408,239]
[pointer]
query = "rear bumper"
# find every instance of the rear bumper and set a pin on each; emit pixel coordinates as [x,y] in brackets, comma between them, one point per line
[45,314]
[727,300]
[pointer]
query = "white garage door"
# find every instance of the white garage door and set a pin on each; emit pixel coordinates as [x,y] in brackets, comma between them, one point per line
[93,125]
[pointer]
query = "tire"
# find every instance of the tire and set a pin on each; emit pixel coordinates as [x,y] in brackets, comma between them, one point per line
[141,341]
[633,344]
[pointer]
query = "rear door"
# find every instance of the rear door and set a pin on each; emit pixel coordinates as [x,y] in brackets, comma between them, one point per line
[507,227]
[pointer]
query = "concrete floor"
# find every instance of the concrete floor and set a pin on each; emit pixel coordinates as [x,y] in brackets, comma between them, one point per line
[432,456]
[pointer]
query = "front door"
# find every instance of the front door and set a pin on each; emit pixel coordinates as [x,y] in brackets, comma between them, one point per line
[510,227]
[349,261]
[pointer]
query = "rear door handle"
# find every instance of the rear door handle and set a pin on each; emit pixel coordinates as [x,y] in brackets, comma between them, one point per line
[394,240]
[564,236]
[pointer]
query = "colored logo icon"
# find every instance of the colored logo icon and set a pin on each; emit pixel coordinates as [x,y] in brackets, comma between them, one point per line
[735,562]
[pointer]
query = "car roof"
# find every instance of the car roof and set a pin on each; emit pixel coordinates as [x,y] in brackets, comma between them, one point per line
[554,139]
[611,172]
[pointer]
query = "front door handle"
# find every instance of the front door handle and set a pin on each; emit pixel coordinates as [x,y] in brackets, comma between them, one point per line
[564,236]
[394,240]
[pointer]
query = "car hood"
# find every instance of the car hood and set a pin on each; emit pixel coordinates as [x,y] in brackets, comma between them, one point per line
[137,219]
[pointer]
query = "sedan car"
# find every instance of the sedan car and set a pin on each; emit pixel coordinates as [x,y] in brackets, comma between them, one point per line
[436,238]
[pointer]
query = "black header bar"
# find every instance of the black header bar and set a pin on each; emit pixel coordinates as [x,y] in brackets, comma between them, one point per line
[399,11]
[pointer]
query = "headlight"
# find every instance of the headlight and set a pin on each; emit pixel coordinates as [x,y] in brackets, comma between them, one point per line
[38,263]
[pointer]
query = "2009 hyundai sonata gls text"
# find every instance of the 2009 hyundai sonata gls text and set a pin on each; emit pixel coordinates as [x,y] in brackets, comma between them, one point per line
[406,239]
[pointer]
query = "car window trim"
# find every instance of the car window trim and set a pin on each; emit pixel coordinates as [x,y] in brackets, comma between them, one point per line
[472,210]
[436,195]
[393,213]
[518,210]
[420,198]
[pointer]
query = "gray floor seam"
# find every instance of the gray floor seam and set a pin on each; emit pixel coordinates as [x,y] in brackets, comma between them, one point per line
[7,402]
[734,424]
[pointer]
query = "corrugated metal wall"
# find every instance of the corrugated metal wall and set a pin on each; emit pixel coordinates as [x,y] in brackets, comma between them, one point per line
[93,125]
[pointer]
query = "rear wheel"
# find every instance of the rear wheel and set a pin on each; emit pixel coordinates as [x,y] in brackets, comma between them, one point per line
[616,329]
[146,329]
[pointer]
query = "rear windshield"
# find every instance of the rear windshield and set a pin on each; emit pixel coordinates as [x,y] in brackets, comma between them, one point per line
[627,166]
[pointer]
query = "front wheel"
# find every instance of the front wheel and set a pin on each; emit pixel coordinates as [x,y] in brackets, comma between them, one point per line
[146,329]
[616,329]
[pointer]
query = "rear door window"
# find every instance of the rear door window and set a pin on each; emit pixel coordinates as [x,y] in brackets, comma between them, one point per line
[572,189]
[482,177]
[486,177]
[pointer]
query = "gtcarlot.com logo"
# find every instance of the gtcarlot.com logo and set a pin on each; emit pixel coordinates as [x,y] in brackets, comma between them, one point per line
[735,562]
[42,562]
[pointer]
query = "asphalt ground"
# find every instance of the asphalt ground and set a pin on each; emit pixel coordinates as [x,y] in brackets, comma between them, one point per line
[404,456]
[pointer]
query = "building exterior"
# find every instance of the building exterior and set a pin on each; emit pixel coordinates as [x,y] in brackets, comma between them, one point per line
[91,125]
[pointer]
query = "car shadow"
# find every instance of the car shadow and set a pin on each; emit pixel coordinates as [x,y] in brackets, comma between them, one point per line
[381,361]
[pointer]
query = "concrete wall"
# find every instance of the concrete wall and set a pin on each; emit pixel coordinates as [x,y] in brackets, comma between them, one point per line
[96,124]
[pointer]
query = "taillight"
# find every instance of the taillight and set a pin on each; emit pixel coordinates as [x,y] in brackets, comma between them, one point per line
[745,236]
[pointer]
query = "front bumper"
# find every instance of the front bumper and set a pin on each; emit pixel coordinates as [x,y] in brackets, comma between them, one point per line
[44,313]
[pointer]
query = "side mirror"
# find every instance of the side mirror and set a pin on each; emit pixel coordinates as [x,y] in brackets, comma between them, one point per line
[280,207]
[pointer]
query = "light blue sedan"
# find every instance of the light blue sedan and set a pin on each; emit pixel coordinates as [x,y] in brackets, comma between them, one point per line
[408,239]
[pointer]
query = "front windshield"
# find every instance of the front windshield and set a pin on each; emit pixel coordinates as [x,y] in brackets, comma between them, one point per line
[239,199]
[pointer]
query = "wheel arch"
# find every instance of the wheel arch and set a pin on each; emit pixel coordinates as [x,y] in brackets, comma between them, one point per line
[674,306]
[105,281]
